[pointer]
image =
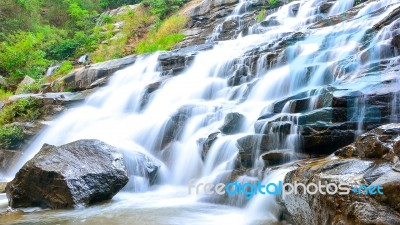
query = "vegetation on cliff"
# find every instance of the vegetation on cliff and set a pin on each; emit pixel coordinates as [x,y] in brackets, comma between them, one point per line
[37,33]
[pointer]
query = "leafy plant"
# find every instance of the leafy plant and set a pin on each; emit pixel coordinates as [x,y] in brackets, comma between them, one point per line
[26,109]
[163,8]
[22,56]
[273,2]
[10,137]
[29,88]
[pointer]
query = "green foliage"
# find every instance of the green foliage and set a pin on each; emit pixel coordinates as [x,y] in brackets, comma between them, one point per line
[273,2]
[29,88]
[10,137]
[165,37]
[5,94]
[261,15]
[22,56]
[163,8]
[112,4]
[26,109]
[18,15]
[64,69]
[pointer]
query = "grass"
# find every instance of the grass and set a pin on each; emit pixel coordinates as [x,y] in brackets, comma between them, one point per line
[165,37]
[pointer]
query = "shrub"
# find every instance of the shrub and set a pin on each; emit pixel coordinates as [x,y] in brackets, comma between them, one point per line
[64,69]
[163,8]
[21,56]
[273,2]
[10,137]
[26,109]
[29,88]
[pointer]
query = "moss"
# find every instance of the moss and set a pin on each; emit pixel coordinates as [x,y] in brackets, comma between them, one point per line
[261,15]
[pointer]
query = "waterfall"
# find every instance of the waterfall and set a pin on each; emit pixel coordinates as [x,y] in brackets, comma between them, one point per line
[341,6]
[200,97]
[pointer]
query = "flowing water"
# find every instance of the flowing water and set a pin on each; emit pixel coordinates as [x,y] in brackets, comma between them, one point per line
[114,114]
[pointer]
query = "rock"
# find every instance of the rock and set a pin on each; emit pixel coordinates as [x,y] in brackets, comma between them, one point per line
[233,123]
[81,79]
[278,157]
[375,143]
[175,125]
[206,143]
[144,167]
[3,81]
[390,182]
[350,208]
[396,41]
[26,80]
[249,146]
[371,167]
[175,61]
[79,173]
[270,23]
[325,7]
[326,138]
[251,143]
[148,91]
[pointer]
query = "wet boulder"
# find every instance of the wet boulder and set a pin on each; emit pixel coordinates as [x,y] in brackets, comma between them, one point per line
[233,123]
[206,143]
[75,174]
[83,78]
[377,143]
[351,208]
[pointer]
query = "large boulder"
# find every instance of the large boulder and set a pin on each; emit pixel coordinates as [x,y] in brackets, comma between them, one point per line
[371,160]
[76,174]
[233,123]
[83,78]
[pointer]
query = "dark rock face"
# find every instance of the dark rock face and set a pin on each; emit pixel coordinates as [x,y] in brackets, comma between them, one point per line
[277,157]
[371,160]
[232,123]
[83,78]
[79,173]
[204,17]
[206,143]
[396,41]
[175,61]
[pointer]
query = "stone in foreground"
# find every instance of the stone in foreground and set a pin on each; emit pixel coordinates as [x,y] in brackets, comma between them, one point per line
[76,174]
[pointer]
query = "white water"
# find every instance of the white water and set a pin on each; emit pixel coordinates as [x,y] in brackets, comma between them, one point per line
[113,113]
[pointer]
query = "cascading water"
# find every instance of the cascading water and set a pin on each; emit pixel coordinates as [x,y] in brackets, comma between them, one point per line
[200,97]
